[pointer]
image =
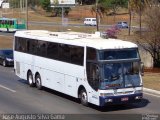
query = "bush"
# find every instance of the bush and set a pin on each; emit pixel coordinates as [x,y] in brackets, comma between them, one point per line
[112,32]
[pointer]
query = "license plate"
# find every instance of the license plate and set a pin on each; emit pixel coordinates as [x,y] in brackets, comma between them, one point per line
[124,99]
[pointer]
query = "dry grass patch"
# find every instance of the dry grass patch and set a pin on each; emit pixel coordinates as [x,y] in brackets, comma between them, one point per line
[152,81]
[6,42]
[59,28]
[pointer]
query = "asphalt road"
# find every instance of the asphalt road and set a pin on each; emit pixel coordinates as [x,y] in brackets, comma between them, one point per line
[17,97]
[6,34]
[59,24]
[36,23]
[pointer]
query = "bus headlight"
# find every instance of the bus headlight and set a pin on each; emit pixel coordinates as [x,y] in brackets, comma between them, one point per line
[138,91]
[8,59]
[106,94]
[108,100]
[138,97]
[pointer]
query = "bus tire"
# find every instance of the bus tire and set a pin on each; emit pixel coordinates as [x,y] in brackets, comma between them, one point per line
[83,97]
[38,82]
[30,79]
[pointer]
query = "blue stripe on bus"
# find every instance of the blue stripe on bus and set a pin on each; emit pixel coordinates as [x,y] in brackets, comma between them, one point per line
[117,99]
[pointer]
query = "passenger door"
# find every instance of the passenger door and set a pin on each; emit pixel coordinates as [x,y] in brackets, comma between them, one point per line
[93,75]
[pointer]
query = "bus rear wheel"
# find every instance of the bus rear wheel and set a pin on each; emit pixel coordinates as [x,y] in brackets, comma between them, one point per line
[4,63]
[38,82]
[30,79]
[83,97]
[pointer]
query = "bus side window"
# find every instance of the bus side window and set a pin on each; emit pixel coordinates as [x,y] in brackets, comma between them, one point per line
[41,48]
[64,52]
[3,22]
[52,50]
[77,55]
[6,22]
[20,44]
[91,54]
[31,46]
[11,22]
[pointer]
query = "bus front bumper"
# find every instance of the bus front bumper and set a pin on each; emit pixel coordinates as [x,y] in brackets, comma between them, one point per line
[123,99]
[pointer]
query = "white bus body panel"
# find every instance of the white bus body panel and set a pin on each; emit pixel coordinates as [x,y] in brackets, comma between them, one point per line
[54,74]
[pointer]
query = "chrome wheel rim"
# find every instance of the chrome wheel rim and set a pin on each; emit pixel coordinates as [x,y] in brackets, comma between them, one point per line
[30,79]
[4,63]
[84,97]
[38,81]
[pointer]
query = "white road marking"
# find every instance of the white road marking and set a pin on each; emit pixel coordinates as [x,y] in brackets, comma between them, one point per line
[152,95]
[7,88]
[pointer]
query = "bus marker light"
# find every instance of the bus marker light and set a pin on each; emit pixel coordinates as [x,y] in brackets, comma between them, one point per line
[108,100]
[138,97]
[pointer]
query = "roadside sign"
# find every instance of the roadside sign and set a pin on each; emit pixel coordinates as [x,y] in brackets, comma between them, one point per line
[5,5]
[62,3]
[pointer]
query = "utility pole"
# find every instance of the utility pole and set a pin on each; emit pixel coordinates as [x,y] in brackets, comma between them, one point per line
[21,5]
[130,18]
[27,14]
[62,18]
[140,19]
[97,20]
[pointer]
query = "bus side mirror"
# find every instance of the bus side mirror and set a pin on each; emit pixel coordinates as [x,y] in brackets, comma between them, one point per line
[142,68]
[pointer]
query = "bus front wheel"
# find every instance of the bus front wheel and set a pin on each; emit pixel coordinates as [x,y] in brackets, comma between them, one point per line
[30,79]
[38,82]
[84,97]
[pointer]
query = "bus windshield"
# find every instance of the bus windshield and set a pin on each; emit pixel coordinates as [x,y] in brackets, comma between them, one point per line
[119,68]
[120,75]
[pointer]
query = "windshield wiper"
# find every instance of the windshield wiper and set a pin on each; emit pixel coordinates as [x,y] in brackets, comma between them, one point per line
[116,77]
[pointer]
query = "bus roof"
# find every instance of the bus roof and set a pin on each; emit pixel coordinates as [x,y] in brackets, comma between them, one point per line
[4,18]
[75,38]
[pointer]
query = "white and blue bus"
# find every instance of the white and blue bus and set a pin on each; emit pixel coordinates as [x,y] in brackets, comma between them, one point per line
[85,66]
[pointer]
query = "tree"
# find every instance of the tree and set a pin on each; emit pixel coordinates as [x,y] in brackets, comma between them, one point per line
[46,5]
[87,2]
[137,6]
[57,11]
[100,9]
[33,3]
[151,37]
[14,3]
[113,5]
[105,6]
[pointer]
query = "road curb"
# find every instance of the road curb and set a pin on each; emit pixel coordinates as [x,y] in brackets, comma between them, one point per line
[155,92]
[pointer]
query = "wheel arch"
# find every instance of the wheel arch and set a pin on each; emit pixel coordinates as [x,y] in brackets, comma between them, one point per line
[81,87]
[37,73]
[29,71]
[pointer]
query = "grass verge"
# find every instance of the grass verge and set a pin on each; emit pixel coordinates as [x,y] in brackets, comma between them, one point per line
[6,42]
[152,81]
